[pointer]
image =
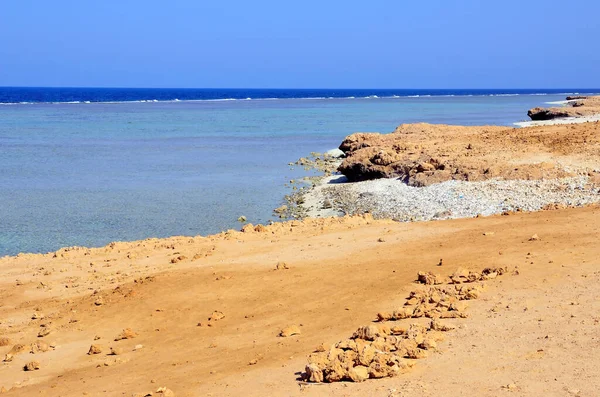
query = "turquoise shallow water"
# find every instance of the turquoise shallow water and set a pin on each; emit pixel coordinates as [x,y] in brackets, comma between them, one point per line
[89,174]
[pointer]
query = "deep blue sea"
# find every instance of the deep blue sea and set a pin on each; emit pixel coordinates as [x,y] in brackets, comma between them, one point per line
[83,166]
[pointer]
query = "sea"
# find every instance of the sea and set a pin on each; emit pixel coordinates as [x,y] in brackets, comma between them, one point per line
[87,166]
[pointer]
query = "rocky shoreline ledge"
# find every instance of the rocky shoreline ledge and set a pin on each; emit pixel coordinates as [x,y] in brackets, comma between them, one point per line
[428,172]
[575,106]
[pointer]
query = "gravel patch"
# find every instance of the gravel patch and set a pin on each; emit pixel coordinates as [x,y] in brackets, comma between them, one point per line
[391,198]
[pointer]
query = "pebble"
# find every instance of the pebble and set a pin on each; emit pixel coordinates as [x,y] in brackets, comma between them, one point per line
[392,198]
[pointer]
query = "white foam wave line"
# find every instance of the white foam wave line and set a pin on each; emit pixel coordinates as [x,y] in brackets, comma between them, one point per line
[301,98]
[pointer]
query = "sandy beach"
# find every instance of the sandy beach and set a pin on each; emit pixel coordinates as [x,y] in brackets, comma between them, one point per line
[508,305]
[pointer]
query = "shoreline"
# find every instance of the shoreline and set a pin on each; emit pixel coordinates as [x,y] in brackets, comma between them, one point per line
[450,199]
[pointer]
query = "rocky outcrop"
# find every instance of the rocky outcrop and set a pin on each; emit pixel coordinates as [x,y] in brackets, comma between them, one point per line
[425,154]
[578,106]
[547,113]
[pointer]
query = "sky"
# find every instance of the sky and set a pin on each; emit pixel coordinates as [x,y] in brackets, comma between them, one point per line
[300,44]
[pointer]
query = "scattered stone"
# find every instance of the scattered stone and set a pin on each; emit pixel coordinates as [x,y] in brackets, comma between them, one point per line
[44,331]
[94,349]
[126,334]
[489,233]
[281,266]
[39,347]
[429,278]
[116,351]
[248,228]
[289,331]
[99,301]
[164,392]
[31,366]
[510,386]
[178,259]
[216,316]
[138,347]
[260,229]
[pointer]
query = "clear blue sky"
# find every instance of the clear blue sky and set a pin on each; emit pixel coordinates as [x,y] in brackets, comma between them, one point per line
[304,44]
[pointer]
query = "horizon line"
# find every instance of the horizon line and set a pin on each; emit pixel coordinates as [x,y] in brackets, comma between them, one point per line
[294,88]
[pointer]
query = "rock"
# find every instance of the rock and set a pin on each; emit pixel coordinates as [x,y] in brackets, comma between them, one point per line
[116,351]
[289,331]
[429,278]
[242,219]
[281,210]
[360,373]
[178,259]
[248,228]
[436,325]
[366,355]
[428,344]
[138,347]
[321,348]
[424,167]
[335,153]
[44,331]
[164,392]
[314,373]
[575,97]
[260,229]
[253,362]
[370,332]
[4,341]
[99,301]
[320,359]
[334,372]
[546,114]
[39,347]
[8,357]
[216,316]
[94,349]
[535,237]
[126,334]
[32,366]
[3,390]
[281,266]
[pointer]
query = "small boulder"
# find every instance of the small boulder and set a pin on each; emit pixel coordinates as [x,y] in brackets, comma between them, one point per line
[314,373]
[216,316]
[126,334]
[289,331]
[94,349]
[360,373]
[32,366]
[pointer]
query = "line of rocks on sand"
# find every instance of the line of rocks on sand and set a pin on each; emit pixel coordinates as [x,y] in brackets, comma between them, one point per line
[390,346]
